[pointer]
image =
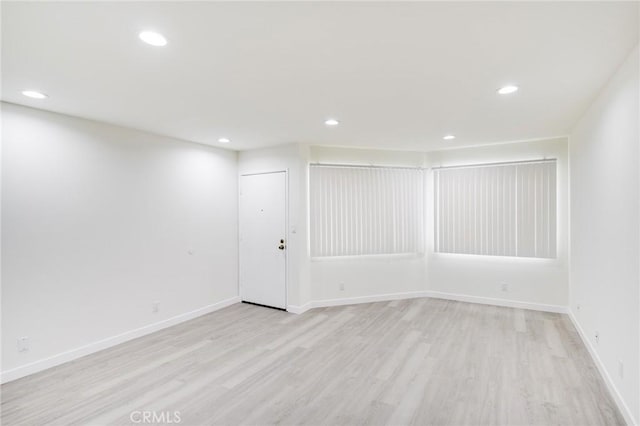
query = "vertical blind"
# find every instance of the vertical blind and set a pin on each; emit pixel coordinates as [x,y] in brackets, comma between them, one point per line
[504,209]
[365,210]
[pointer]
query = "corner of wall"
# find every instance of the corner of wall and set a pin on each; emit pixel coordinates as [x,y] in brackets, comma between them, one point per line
[609,383]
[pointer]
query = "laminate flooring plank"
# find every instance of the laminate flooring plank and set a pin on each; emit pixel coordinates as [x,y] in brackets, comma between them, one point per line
[419,362]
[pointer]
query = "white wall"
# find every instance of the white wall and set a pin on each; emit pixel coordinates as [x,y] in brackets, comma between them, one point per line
[316,280]
[541,283]
[605,227]
[293,158]
[529,281]
[97,223]
[366,276]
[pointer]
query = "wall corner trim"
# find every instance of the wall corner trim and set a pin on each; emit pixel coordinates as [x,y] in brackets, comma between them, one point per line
[499,302]
[64,357]
[622,406]
[299,309]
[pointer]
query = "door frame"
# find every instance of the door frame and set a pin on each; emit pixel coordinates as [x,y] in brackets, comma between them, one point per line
[286,229]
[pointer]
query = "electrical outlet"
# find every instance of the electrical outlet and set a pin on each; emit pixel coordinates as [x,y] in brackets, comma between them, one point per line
[597,338]
[341,286]
[23,344]
[621,369]
[155,307]
[505,287]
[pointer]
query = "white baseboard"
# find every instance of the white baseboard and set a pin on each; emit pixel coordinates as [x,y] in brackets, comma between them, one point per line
[299,309]
[368,299]
[43,364]
[498,302]
[622,406]
[433,294]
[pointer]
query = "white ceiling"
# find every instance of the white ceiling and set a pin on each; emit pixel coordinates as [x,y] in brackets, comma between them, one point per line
[397,75]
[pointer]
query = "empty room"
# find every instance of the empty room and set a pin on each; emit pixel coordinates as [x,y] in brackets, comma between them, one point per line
[320,213]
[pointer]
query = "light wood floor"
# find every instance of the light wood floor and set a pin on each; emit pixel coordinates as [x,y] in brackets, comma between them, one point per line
[421,361]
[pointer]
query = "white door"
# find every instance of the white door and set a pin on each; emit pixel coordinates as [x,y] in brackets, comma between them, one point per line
[263,259]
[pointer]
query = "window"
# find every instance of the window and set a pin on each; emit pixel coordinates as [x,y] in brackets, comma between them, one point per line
[358,210]
[506,209]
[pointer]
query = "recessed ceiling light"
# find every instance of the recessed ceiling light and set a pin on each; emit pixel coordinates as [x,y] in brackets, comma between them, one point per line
[449,137]
[34,94]
[224,140]
[153,38]
[331,122]
[507,89]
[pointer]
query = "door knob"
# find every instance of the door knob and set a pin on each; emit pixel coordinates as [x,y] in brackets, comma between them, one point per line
[281,246]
